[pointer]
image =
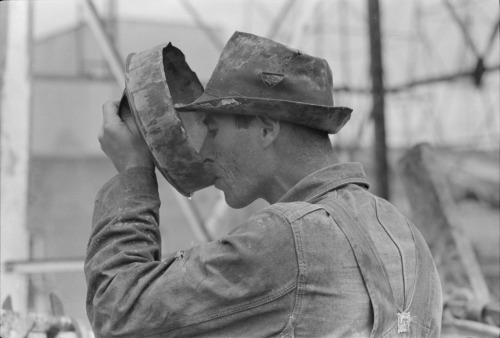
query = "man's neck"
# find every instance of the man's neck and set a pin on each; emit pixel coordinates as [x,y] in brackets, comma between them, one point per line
[291,171]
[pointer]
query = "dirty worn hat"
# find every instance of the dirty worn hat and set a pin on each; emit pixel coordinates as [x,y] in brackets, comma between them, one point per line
[257,76]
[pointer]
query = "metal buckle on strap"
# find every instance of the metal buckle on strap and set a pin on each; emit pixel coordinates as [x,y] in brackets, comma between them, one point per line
[404,320]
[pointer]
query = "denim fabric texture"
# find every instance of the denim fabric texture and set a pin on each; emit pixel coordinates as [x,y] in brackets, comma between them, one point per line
[288,271]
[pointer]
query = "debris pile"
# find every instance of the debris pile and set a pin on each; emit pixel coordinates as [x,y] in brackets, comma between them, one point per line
[31,325]
[469,308]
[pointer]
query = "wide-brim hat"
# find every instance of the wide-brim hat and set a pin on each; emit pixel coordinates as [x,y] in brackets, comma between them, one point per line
[257,76]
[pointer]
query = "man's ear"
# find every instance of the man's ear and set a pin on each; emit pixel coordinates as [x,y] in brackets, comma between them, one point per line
[269,129]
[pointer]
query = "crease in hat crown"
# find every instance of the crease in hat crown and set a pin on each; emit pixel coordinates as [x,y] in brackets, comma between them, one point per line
[258,76]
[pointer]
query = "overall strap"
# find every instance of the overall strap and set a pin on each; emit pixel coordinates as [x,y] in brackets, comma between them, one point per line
[385,309]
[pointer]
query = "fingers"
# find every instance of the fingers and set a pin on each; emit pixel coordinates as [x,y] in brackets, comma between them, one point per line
[110,112]
[121,141]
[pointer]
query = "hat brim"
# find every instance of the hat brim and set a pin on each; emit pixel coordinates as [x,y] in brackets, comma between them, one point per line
[329,119]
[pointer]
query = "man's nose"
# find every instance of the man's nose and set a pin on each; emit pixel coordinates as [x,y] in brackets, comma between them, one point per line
[207,150]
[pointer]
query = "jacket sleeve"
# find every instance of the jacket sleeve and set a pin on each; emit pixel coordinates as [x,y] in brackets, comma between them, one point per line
[133,292]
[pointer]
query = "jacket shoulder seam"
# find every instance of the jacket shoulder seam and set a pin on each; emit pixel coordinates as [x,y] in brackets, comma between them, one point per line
[295,211]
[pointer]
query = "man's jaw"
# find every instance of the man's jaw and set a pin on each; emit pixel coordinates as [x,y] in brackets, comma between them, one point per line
[217,182]
[221,185]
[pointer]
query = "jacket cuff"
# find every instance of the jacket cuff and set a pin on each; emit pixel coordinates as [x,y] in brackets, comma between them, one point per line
[137,181]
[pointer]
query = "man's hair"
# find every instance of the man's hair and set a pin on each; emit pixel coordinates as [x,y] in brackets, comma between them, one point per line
[243,121]
[308,140]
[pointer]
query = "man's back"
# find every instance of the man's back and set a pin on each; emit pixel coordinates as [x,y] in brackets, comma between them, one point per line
[289,270]
[335,296]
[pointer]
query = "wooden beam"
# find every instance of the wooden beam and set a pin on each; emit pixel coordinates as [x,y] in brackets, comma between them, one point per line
[463,27]
[198,20]
[15,98]
[492,39]
[419,82]
[280,19]
[439,79]
[304,17]
[44,265]
[453,327]
[378,95]
[111,55]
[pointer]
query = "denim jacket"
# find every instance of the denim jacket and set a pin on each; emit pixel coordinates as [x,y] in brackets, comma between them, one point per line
[291,270]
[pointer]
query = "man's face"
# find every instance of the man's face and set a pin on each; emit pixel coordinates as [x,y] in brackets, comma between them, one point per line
[234,153]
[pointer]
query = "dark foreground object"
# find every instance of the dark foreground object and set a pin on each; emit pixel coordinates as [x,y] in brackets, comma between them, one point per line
[156,79]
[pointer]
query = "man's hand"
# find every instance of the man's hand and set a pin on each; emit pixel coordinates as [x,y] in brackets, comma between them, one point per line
[121,140]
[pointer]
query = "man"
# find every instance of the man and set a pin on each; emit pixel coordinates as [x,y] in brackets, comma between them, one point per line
[325,259]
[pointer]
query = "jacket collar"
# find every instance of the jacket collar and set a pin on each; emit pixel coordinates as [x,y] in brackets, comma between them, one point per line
[324,180]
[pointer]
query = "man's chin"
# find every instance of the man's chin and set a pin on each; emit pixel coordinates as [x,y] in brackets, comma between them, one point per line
[231,200]
[234,202]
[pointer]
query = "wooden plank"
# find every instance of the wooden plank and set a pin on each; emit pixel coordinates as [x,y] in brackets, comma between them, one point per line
[433,212]
[56,305]
[472,175]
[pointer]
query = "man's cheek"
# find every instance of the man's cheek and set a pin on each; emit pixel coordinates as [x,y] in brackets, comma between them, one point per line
[195,129]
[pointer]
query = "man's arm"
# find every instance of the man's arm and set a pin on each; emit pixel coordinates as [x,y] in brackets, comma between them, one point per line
[250,273]
[132,292]
[124,250]
[129,204]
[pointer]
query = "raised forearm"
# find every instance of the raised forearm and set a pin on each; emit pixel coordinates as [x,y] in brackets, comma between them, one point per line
[125,244]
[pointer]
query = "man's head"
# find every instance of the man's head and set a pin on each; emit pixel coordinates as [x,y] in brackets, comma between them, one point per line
[239,155]
[268,109]
[257,156]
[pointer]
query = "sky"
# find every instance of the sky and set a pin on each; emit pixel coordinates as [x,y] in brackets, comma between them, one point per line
[54,15]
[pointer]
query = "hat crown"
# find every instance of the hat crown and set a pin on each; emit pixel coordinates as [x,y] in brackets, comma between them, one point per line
[255,67]
[257,76]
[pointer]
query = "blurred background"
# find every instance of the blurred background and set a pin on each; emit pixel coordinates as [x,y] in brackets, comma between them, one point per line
[413,71]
